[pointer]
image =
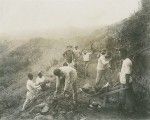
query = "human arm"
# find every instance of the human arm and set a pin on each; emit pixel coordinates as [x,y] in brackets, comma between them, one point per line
[64,54]
[40,80]
[91,52]
[46,80]
[73,55]
[57,84]
[128,71]
[127,79]
[80,52]
[98,55]
[32,87]
[104,61]
[83,53]
[108,66]
[67,82]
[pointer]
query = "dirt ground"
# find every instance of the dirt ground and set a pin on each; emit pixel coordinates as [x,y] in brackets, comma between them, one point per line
[64,109]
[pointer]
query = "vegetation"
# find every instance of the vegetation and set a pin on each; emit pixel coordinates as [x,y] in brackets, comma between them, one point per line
[43,54]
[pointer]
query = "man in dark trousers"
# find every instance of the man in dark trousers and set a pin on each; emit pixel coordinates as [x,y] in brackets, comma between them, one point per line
[127,95]
[69,56]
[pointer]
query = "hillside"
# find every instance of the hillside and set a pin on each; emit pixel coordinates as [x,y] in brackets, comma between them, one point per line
[42,54]
[132,33]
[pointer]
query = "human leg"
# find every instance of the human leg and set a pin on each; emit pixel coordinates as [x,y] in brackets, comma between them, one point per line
[122,97]
[130,98]
[57,87]
[85,69]
[75,96]
[98,78]
[29,99]
[25,104]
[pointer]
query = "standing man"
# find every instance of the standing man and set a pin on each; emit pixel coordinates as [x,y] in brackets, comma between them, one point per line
[66,78]
[102,67]
[127,96]
[32,90]
[86,59]
[69,56]
[77,52]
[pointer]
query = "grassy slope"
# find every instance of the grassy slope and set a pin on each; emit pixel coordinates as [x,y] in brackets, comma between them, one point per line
[16,63]
[23,59]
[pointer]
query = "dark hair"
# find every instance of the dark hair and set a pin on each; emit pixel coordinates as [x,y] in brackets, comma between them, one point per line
[65,64]
[123,53]
[103,51]
[30,76]
[108,55]
[57,72]
[39,74]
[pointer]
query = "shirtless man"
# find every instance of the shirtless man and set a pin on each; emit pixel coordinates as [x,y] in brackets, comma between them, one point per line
[66,78]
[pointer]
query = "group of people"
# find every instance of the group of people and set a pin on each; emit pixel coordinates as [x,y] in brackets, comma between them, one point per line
[34,86]
[73,55]
[66,76]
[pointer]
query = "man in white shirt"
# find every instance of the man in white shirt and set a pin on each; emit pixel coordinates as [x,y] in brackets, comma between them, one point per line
[126,70]
[42,82]
[86,56]
[127,96]
[86,59]
[102,67]
[66,78]
[32,90]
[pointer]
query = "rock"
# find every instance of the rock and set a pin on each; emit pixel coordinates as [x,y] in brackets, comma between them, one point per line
[106,85]
[77,117]
[83,118]
[62,112]
[87,88]
[2,88]
[25,115]
[45,109]
[42,117]
[61,117]
[40,108]
[70,115]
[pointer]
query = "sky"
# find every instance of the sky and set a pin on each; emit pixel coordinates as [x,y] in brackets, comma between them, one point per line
[25,16]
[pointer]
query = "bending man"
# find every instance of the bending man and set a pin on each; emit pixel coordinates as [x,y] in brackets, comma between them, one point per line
[66,78]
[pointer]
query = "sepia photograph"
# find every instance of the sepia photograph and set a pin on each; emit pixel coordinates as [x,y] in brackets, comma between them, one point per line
[74,59]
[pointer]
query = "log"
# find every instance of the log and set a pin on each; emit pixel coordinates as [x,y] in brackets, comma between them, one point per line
[100,94]
[112,92]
